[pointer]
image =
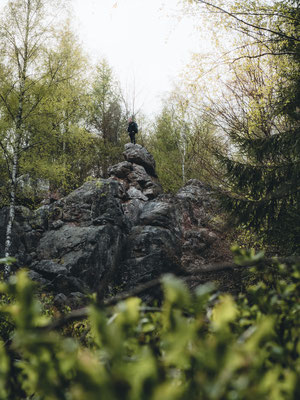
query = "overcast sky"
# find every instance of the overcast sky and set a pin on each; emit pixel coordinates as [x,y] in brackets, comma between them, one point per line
[143,41]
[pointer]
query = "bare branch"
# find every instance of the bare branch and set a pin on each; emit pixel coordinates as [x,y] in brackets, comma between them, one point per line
[7,107]
[260,28]
[7,158]
[262,55]
[83,313]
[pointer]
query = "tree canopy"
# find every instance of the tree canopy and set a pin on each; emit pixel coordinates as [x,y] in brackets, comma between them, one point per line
[257,109]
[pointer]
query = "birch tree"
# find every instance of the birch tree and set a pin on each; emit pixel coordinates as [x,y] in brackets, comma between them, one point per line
[26,75]
[71,146]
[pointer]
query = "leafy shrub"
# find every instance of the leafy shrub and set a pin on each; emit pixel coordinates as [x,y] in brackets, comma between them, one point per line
[197,346]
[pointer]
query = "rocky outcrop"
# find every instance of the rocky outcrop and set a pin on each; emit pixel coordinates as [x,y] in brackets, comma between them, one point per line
[119,231]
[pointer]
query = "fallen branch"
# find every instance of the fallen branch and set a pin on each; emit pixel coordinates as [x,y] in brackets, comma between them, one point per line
[83,313]
[230,265]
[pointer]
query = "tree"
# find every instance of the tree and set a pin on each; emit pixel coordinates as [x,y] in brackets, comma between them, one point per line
[70,147]
[28,72]
[268,24]
[183,143]
[164,147]
[106,118]
[261,117]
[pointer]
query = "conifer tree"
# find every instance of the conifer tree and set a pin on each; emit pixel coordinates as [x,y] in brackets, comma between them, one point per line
[106,117]
[261,116]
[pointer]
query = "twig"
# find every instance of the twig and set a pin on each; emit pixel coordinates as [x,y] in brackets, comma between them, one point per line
[260,28]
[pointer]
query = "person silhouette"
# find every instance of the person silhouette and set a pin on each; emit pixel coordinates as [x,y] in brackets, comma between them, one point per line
[132,129]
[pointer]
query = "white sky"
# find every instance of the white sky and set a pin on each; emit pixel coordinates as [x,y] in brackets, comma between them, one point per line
[142,41]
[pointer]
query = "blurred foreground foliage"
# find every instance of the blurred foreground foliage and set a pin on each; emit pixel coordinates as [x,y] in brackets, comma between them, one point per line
[200,345]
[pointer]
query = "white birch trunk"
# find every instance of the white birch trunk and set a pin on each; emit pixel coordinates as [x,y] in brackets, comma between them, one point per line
[14,174]
[17,144]
[11,214]
[183,160]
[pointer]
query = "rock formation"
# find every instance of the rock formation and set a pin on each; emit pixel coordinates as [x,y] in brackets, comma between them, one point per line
[119,231]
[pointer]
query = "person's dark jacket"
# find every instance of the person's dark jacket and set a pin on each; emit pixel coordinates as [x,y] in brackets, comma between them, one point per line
[132,127]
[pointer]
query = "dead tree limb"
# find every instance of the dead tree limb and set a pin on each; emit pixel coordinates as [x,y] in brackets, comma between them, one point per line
[83,313]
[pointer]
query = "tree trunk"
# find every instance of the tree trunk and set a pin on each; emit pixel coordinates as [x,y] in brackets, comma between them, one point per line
[183,157]
[14,174]
[183,165]
[11,214]
[16,150]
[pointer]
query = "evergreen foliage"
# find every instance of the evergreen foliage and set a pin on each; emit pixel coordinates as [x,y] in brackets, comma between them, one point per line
[260,114]
[267,183]
[106,118]
[263,174]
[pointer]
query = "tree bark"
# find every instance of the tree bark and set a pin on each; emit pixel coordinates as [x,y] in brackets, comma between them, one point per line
[11,214]
[16,150]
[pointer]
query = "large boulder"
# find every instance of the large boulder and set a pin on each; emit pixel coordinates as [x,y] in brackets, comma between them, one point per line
[116,232]
[137,154]
[158,213]
[84,253]
[27,231]
[140,185]
[150,252]
[121,170]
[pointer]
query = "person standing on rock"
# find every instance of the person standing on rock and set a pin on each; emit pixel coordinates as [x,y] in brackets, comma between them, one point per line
[132,129]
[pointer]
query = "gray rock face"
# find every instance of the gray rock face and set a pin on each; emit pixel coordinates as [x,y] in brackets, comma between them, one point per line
[121,170]
[158,213]
[150,252]
[137,154]
[121,231]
